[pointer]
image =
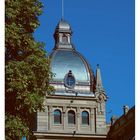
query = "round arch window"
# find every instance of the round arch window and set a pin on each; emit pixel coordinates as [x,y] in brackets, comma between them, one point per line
[71,117]
[85,117]
[57,116]
[69,80]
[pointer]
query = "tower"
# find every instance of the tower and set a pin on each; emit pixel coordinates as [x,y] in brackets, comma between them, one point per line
[77,108]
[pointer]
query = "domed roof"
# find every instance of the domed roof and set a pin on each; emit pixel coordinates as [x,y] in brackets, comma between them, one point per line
[63,60]
[63,26]
[66,61]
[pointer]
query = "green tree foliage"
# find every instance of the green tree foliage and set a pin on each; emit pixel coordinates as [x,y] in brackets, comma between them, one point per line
[27,69]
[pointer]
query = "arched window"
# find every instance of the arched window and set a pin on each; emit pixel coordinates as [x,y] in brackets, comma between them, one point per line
[71,117]
[85,117]
[57,116]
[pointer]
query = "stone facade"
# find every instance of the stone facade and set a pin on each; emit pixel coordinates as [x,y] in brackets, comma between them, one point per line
[77,108]
[97,119]
[77,90]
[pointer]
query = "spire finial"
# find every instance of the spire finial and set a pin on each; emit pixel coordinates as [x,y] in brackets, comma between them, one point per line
[98,77]
[62,9]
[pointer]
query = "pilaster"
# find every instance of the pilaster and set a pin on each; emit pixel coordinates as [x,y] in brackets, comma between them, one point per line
[92,117]
[78,119]
[50,114]
[64,118]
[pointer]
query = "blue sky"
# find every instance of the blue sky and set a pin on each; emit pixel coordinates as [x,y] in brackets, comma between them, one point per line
[103,31]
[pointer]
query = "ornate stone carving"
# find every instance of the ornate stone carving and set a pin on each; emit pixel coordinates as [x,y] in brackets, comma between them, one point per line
[101,97]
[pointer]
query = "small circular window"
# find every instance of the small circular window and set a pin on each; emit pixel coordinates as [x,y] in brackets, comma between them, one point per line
[69,80]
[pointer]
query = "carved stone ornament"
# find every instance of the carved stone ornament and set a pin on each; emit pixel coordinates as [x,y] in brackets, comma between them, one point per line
[101,97]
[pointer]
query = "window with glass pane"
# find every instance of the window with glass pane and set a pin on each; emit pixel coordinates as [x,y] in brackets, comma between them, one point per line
[71,117]
[85,117]
[57,116]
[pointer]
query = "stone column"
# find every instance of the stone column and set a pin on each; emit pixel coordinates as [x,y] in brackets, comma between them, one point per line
[64,121]
[91,119]
[78,119]
[49,117]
